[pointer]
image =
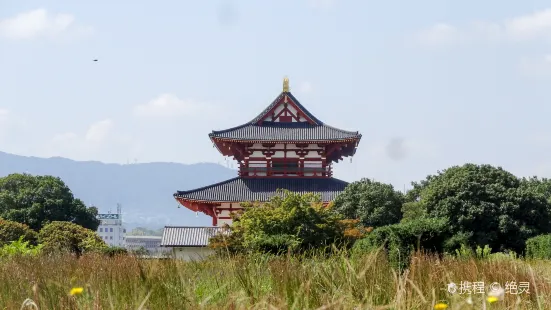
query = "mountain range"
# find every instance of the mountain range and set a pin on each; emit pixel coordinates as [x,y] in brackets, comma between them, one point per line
[144,190]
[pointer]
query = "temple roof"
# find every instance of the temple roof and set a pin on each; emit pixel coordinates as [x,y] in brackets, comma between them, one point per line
[263,189]
[260,130]
[182,236]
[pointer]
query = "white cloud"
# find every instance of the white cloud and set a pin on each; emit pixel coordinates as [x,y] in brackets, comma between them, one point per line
[439,34]
[169,105]
[38,23]
[529,26]
[99,131]
[101,141]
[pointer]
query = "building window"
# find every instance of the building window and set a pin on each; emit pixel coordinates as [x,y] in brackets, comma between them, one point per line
[111,237]
[110,229]
[100,229]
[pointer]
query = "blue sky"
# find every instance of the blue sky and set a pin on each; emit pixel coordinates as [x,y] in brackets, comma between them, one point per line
[429,84]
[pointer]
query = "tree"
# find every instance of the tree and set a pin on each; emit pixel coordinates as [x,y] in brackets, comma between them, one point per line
[293,222]
[399,241]
[66,236]
[13,231]
[373,203]
[485,205]
[37,200]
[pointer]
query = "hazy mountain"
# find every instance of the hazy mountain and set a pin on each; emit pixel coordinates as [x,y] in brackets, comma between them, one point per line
[144,190]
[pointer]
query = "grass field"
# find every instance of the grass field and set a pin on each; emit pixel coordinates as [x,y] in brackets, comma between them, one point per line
[262,282]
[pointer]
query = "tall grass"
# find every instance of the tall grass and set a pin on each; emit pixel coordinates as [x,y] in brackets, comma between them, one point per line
[338,281]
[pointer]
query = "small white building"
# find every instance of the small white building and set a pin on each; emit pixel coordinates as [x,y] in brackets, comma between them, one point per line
[150,243]
[189,243]
[111,229]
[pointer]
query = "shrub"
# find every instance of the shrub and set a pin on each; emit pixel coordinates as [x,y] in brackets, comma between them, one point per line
[66,236]
[539,247]
[112,251]
[19,247]
[292,222]
[14,231]
[400,240]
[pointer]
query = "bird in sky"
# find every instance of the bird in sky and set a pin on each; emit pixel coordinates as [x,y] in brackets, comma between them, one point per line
[95,60]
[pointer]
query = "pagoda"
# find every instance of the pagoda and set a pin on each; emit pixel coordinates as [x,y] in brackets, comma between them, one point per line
[284,147]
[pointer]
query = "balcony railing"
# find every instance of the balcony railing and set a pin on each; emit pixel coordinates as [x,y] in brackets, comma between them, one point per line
[285,171]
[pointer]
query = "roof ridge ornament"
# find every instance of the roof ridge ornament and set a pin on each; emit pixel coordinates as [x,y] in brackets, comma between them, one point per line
[285,84]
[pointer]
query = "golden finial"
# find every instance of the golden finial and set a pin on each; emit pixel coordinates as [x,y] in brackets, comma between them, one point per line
[286,85]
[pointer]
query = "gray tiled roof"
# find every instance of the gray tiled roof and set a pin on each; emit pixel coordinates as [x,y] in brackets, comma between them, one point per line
[262,189]
[276,101]
[182,236]
[272,131]
[278,131]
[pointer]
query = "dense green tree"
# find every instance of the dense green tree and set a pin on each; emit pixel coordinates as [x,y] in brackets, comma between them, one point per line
[485,205]
[399,241]
[373,203]
[38,200]
[13,231]
[66,236]
[293,222]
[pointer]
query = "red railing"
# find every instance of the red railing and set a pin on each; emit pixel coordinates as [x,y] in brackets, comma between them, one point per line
[285,171]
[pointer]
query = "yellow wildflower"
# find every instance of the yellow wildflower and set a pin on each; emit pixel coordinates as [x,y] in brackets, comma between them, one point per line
[76,291]
[492,299]
[440,306]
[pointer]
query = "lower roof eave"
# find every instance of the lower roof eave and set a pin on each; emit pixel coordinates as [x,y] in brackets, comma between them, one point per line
[240,189]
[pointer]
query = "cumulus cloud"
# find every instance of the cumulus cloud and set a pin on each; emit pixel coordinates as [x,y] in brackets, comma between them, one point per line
[525,27]
[38,23]
[99,131]
[529,26]
[169,105]
[441,33]
[100,141]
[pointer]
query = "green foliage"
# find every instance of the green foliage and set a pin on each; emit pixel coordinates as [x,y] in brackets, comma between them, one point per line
[373,203]
[112,251]
[20,248]
[400,240]
[295,222]
[539,247]
[413,210]
[66,236]
[486,205]
[38,200]
[14,231]
[483,252]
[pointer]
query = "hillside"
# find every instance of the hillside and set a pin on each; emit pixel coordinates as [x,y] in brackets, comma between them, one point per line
[144,190]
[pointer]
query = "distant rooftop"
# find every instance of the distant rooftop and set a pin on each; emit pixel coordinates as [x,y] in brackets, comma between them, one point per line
[185,236]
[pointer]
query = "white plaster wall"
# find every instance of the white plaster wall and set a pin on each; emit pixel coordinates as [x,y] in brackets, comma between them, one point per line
[191,253]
